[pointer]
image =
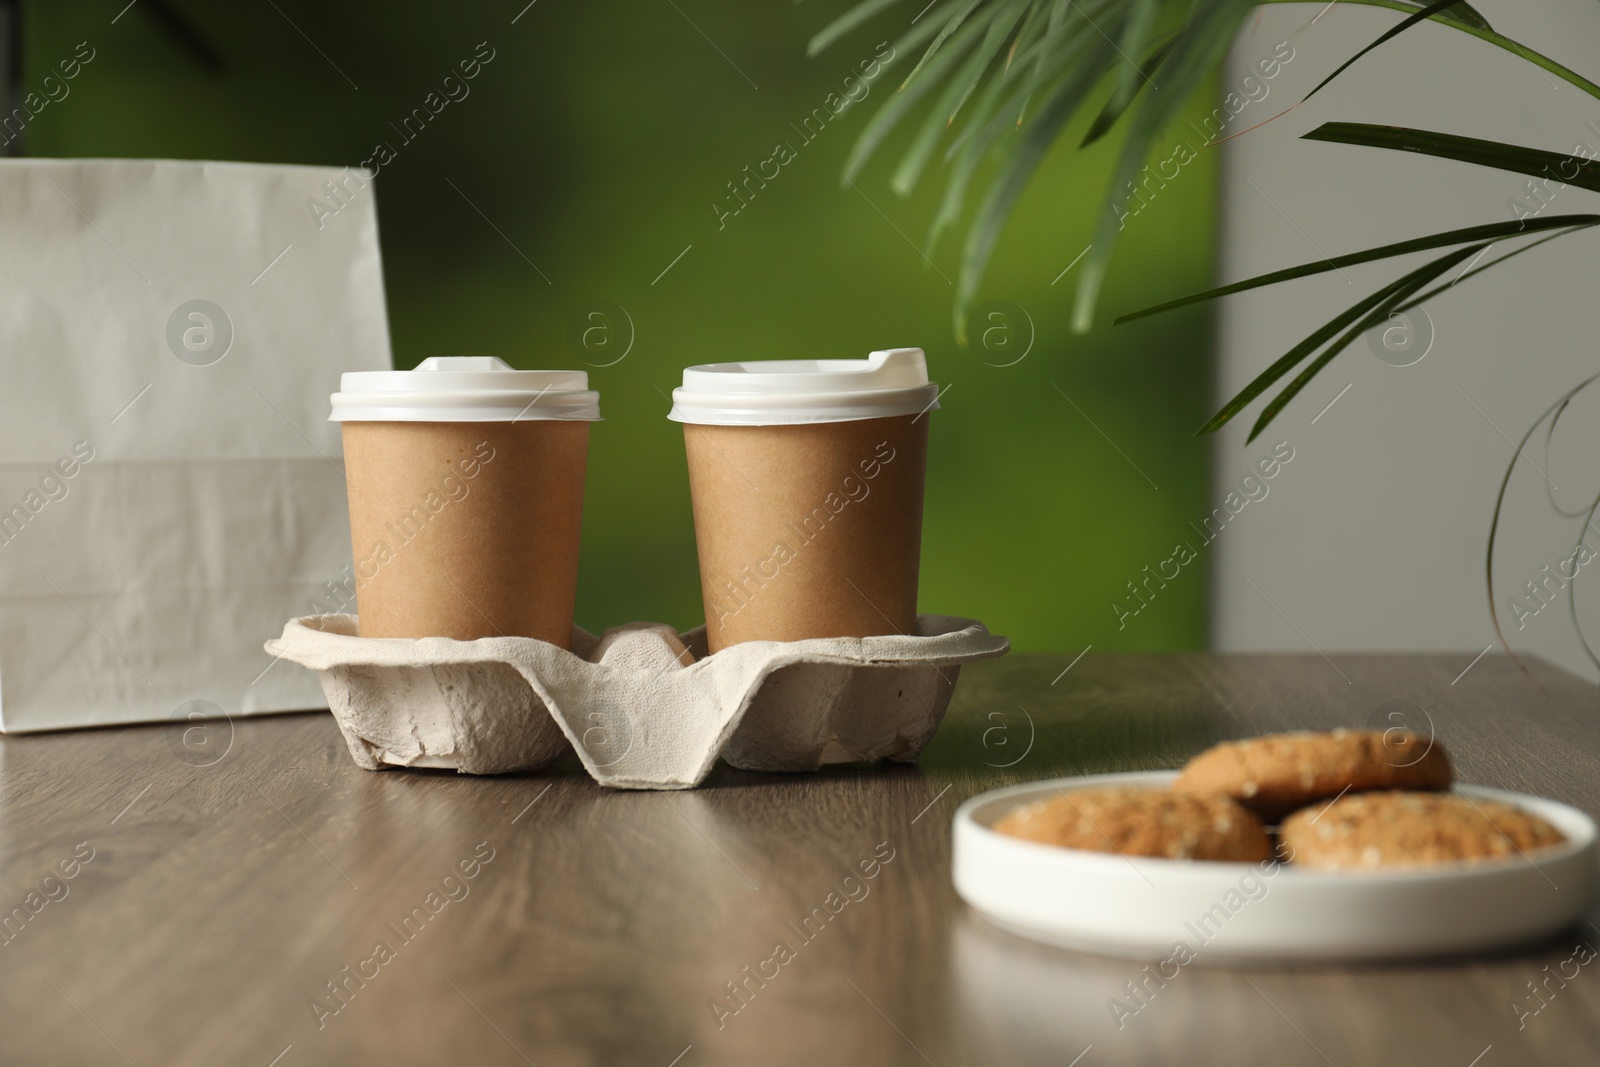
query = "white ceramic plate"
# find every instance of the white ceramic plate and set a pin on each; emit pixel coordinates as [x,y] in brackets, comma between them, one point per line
[1234,912]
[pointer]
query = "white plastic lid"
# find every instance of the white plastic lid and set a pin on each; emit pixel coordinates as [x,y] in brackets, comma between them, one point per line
[780,392]
[464,389]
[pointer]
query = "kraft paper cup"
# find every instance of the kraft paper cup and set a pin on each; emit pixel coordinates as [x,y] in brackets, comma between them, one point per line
[465,480]
[806,478]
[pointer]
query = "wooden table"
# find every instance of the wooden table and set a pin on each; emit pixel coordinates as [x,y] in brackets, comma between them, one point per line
[232,879]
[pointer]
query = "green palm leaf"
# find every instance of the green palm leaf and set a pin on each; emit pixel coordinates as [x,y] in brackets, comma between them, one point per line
[1486,232]
[1195,53]
[1557,166]
[950,27]
[1407,292]
[1475,271]
[1135,32]
[962,43]
[1038,63]
[887,117]
[1459,15]
[1477,26]
[1392,296]
[1292,359]
[859,15]
[935,123]
[1398,296]
[1115,107]
[1427,12]
[1026,10]
[1041,45]
[1018,167]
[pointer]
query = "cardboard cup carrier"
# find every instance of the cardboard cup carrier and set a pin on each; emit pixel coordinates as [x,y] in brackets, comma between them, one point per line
[479,667]
[466,497]
[807,484]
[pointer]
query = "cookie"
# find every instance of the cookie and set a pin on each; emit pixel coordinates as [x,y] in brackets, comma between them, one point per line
[1280,773]
[1142,822]
[1410,830]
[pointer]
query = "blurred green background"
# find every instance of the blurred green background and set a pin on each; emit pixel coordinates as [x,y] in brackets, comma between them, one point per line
[597,141]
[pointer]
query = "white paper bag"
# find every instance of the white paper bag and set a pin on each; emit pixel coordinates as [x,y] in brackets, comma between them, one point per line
[170,488]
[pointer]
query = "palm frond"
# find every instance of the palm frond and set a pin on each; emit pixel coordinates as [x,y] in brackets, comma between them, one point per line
[1292,359]
[1393,295]
[859,15]
[1432,9]
[951,26]
[961,86]
[1196,52]
[1398,296]
[1115,107]
[1487,232]
[1047,44]
[1470,22]
[1018,167]
[1472,272]
[991,60]
[1458,14]
[1557,166]
[1135,33]
[1577,171]
[887,117]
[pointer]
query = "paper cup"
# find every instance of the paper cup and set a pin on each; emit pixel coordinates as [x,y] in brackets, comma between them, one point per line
[807,482]
[465,481]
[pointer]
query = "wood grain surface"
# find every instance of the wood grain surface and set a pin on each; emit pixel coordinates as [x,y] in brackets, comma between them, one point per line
[234,874]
